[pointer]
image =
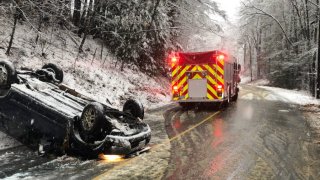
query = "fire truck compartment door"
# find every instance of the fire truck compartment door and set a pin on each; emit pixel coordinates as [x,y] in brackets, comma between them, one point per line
[197,88]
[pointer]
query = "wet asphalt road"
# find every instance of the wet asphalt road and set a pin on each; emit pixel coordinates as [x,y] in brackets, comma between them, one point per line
[257,137]
[254,138]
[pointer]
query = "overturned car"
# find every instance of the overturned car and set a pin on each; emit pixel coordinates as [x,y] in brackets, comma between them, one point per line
[36,109]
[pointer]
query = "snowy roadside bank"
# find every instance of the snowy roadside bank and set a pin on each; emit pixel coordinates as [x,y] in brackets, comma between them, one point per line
[291,96]
[95,77]
[94,73]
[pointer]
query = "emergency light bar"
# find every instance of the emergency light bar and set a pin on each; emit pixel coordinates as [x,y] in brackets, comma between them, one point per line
[221,57]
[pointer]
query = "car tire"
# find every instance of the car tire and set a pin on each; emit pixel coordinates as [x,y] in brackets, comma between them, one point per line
[134,107]
[8,74]
[93,125]
[57,71]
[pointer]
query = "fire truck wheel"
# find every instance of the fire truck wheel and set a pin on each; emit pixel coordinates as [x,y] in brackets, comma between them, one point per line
[235,97]
[227,101]
[134,108]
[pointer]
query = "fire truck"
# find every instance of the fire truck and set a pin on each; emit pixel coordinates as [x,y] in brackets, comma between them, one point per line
[201,77]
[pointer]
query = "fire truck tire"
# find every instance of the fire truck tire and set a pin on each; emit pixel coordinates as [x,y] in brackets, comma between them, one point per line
[235,97]
[227,101]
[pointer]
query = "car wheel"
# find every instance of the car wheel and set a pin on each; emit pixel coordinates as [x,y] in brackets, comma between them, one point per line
[93,123]
[56,70]
[8,74]
[134,107]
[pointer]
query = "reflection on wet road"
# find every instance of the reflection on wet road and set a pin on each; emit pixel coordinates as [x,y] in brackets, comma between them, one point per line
[258,137]
[253,138]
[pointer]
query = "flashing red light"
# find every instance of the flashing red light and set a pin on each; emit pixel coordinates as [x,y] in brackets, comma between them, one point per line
[174,59]
[175,88]
[221,57]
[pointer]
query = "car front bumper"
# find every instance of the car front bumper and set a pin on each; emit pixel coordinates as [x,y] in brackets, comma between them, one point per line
[111,144]
[124,145]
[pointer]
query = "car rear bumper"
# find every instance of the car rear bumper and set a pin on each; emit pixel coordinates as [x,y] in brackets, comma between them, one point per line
[199,100]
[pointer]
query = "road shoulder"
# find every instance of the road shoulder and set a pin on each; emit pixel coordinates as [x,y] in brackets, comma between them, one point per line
[312,116]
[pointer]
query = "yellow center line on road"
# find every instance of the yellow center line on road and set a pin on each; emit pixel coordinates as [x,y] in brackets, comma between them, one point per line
[105,175]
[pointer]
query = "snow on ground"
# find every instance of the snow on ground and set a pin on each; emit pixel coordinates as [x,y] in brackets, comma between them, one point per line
[96,77]
[245,79]
[285,95]
[291,96]
[94,73]
[259,82]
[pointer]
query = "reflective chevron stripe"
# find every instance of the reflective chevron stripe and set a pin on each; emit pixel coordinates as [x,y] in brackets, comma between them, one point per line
[214,73]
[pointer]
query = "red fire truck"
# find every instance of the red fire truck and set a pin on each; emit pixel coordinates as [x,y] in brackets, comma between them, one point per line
[204,77]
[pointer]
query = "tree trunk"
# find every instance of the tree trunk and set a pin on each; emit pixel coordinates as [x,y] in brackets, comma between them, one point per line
[82,42]
[87,25]
[244,54]
[250,60]
[154,12]
[83,18]
[318,60]
[308,24]
[39,26]
[16,16]
[76,12]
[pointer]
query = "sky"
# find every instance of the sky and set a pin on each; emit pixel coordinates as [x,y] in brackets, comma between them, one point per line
[231,7]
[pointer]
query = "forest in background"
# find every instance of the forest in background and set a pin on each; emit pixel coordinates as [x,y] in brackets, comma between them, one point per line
[136,32]
[280,41]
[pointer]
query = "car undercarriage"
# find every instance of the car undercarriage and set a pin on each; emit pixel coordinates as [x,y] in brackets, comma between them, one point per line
[39,111]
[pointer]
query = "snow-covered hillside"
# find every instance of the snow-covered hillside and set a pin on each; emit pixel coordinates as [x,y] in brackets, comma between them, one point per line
[97,77]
